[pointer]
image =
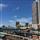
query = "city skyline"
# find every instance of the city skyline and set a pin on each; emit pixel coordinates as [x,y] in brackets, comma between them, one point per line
[15,10]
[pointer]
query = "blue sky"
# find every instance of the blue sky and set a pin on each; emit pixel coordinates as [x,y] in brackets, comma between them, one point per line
[15,10]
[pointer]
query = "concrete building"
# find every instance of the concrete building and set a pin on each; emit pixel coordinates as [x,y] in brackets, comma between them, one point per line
[39,10]
[35,13]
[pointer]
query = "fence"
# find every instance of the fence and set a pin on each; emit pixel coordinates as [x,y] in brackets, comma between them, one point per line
[17,37]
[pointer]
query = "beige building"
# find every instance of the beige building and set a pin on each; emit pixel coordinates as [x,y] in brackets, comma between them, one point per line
[35,13]
[39,10]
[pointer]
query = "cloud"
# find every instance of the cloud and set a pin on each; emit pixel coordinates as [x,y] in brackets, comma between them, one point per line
[21,20]
[1,25]
[12,23]
[17,8]
[25,20]
[2,6]
[15,16]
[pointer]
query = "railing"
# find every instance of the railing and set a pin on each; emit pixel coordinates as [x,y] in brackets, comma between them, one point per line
[15,37]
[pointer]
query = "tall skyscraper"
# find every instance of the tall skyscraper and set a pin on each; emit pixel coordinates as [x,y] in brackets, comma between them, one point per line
[39,10]
[35,13]
[17,23]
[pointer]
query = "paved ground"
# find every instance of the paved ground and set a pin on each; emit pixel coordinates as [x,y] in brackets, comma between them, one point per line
[0,39]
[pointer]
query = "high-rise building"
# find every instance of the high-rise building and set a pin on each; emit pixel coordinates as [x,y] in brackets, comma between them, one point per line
[35,13]
[39,10]
[26,24]
[17,23]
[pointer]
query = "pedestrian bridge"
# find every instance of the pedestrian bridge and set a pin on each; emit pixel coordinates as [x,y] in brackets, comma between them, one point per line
[15,37]
[6,36]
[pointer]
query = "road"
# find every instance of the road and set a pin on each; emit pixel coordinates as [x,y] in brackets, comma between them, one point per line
[0,39]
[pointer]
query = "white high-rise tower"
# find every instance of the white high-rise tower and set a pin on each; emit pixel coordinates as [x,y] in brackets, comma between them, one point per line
[35,13]
[39,10]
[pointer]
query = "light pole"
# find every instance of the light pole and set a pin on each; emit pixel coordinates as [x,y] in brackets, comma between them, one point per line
[1,12]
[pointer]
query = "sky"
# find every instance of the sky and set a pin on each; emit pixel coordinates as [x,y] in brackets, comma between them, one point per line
[15,10]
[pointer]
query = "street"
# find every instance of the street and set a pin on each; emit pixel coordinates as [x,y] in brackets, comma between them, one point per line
[0,39]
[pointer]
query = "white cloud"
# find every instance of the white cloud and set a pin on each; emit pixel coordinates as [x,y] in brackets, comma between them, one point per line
[15,16]
[24,20]
[2,6]
[17,8]
[21,20]
[1,25]
[12,23]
